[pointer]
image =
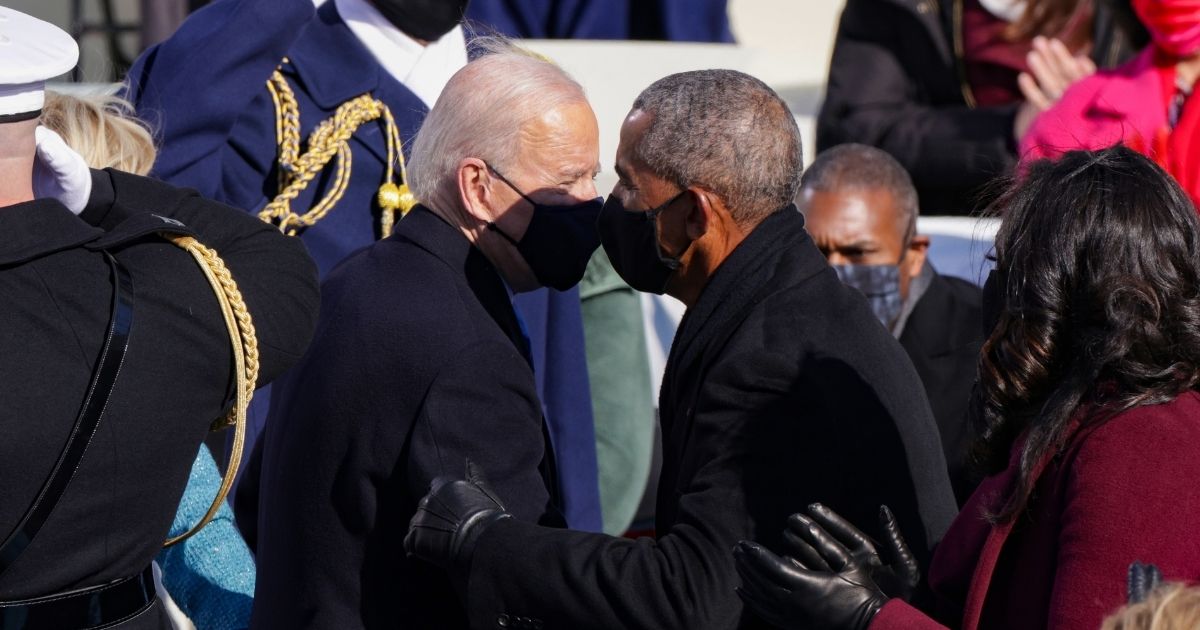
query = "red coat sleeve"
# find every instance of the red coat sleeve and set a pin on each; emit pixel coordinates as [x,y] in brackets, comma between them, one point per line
[898,615]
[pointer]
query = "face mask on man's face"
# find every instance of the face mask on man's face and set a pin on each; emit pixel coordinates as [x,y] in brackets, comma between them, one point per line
[559,241]
[426,20]
[630,239]
[880,284]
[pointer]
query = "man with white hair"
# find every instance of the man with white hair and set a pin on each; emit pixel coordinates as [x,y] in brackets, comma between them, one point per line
[420,363]
[781,389]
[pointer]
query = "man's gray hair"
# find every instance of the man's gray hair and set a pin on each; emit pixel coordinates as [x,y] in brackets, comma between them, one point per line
[862,167]
[726,131]
[481,113]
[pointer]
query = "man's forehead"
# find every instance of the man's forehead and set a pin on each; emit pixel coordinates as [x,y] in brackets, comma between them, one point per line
[861,211]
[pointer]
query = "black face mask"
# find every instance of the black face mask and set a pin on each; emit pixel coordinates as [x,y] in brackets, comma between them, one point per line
[631,241]
[559,241]
[426,20]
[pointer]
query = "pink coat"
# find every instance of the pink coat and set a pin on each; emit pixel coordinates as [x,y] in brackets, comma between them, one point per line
[1124,104]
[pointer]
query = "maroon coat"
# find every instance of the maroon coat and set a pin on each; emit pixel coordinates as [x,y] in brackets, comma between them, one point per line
[1120,492]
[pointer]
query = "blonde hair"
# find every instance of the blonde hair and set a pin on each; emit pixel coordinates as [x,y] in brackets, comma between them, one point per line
[103,129]
[1172,606]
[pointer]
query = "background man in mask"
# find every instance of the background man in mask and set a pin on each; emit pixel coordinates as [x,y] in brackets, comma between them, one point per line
[304,118]
[781,389]
[420,362]
[860,207]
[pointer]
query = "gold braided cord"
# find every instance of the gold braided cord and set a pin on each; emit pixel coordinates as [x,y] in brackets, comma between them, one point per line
[287,126]
[244,342]
[330,142]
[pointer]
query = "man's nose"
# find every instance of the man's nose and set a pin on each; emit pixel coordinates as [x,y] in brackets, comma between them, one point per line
[588,191]
[835,258]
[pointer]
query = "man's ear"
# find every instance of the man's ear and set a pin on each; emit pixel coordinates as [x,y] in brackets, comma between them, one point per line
[474,188]
[701,214]
[914,258]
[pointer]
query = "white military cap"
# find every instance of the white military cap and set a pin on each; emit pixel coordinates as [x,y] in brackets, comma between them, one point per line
[31,52]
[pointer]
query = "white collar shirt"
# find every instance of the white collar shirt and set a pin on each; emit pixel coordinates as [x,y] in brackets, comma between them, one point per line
[422,69]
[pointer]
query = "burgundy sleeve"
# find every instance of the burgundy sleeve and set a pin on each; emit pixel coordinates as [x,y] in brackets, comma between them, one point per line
[899,615]
[1130,496]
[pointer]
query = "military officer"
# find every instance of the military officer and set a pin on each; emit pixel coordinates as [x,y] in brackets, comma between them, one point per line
[116,354]
[303,119]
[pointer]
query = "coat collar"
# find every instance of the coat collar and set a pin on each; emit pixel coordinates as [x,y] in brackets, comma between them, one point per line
[322,55]
[432,233]
[738,281]
[334,67]
[36,228]
[328,48]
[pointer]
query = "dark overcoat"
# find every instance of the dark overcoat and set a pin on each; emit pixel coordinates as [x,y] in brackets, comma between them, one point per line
[175,380]
[943,337]
[418,364]
[781,389]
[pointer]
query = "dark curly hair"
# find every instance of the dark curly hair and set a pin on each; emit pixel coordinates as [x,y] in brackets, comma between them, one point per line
[1098,288]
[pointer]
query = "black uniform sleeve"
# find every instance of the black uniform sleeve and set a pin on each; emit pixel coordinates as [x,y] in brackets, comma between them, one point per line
[274,272]
[483,406]
[873,98]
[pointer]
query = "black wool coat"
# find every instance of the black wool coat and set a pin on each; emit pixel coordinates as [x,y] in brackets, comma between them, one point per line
[175,380]
[781,389]
[895,83]
[417,365]
[943,337]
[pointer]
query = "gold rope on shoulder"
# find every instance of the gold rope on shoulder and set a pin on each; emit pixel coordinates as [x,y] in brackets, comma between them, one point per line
[244,342]
[328,141]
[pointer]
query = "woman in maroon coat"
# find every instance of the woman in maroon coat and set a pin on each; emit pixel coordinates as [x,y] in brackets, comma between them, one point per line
[1089,387]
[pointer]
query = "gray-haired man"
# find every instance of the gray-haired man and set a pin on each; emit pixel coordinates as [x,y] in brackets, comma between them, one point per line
[781,388]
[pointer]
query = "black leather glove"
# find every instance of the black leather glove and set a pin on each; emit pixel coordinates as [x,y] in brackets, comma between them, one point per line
[831,583]
[450,518]
[898,578]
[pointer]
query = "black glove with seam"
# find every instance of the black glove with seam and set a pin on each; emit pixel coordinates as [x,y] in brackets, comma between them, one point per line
[450,519]
[834,581]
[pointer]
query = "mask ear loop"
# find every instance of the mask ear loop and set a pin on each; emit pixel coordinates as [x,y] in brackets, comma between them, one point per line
[672,262]
[491,225]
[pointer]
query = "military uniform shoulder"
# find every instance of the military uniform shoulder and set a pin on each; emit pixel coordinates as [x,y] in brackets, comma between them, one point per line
[141,191]
[139,206]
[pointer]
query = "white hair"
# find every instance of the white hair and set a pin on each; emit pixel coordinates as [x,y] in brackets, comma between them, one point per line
[481,113]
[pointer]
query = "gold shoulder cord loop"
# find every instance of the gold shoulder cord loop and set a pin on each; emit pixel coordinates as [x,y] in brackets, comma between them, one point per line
[328,141]
[245,357]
